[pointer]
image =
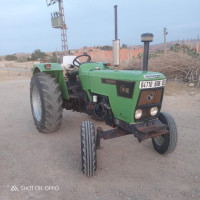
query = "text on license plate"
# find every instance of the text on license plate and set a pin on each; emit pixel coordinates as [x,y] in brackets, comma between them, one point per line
[152,84]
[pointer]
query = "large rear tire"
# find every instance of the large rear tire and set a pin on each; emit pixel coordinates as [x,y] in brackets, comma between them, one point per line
[88,148]
[46,102]
[166,144]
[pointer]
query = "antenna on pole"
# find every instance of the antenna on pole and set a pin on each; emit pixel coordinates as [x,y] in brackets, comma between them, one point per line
[197,44]
[165,39]
[58,21]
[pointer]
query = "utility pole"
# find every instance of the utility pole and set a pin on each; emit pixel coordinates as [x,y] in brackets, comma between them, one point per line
[58,21]
[63,29]
[165,39]
[198,44]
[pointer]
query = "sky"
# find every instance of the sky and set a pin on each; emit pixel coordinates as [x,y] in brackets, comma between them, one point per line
[25,25]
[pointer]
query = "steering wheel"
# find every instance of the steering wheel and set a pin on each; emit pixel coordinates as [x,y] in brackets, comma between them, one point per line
[75,61]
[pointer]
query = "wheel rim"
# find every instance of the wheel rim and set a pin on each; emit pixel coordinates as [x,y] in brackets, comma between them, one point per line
[159,140]
[36,102]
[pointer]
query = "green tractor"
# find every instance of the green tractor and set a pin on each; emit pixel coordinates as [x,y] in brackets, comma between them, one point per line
[129,101]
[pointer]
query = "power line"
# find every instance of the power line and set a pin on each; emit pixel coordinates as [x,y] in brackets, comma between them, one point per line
[90,10]
[95,8]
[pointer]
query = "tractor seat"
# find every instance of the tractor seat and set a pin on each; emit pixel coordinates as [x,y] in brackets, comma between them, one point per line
[68,62]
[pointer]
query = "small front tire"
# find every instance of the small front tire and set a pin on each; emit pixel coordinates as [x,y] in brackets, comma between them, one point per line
[88,148]
[166,144]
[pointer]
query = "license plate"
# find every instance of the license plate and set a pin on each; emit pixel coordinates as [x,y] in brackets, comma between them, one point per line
[152,84]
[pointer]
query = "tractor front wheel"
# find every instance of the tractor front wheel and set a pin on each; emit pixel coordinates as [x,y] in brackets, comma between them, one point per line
[88,148]
[165,144]
[46,102]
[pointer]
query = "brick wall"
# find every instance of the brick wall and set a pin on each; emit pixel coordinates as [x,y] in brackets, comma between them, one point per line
[106,55]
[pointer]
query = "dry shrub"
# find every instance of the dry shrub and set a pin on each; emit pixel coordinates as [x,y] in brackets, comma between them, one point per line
[134,63]
[174,65]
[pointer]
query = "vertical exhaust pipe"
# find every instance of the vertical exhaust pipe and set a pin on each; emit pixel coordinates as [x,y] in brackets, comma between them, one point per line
[116,43]
[116,28]
[146,38]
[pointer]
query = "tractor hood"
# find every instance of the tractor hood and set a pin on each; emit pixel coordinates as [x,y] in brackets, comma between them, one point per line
[98,72]
[126,75]
[122,87]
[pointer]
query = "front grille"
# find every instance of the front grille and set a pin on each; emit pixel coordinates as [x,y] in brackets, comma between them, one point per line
[145,113]
[150,97]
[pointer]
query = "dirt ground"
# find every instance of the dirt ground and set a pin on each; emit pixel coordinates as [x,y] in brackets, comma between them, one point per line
[32,163]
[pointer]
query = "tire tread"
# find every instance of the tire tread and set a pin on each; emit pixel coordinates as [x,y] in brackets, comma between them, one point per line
[88,148]
[172,137]
[52,102]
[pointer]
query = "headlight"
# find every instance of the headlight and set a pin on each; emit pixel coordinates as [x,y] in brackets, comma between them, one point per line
[138,114]
[154,111]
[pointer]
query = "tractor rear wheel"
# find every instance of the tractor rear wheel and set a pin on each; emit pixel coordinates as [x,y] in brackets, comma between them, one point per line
[88,148]
[166,144]
[46,102]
